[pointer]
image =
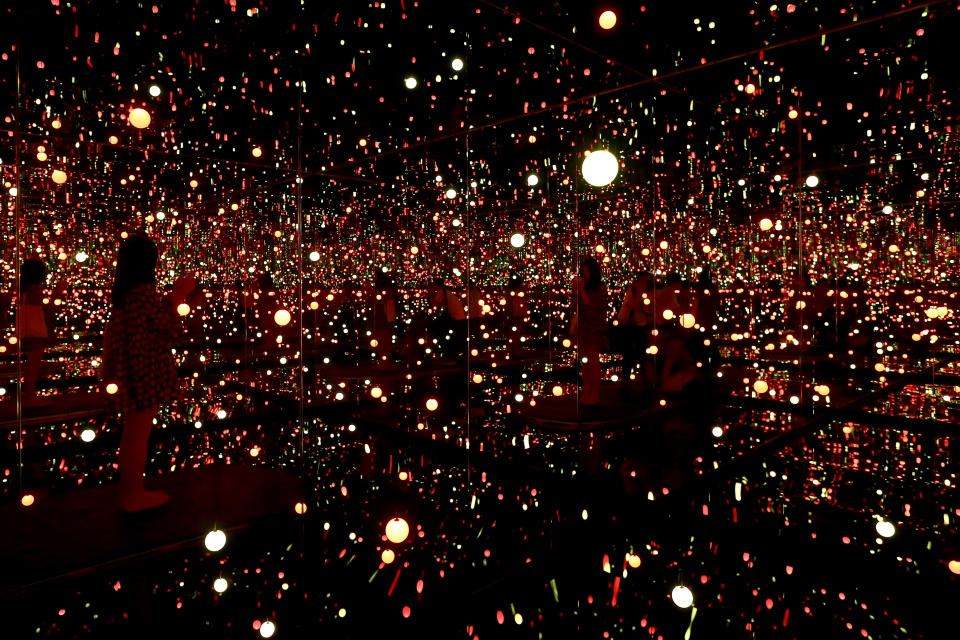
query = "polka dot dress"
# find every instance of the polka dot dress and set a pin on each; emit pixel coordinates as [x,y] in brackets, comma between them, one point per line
[137,350]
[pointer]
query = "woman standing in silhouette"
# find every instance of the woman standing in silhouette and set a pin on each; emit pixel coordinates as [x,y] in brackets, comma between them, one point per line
[138,359]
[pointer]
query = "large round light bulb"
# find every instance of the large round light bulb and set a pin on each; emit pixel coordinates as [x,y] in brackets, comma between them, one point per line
[517,240]
[608,20]
[140,118]
[600,168]
[397,530]
[682,596]
[215,540]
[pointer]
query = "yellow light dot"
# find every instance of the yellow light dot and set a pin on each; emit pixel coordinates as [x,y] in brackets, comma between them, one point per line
[282,317]
[432,404]
[220,585]
[215,540]
[58,176]
[112,388]
[397,530]
[608,20]
[557,390]
[139,118]
[766,224]
[387,556]
[183,309]
[27,500]
[376,392]
[761,386]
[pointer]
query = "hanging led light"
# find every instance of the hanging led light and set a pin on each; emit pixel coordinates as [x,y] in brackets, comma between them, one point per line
[600,168]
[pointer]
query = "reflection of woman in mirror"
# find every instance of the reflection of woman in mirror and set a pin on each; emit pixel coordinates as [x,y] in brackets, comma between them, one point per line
[138,359]
[590,327]
[34,327]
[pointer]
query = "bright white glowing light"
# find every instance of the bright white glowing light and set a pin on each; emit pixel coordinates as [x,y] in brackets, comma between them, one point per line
[533,180]
[682,596]
[600,168]
[314,256]
[410,82]
[457,64]
[87,435]
[812,181]
[886,529]
[267,629]
[183,309]
[215,540]
[451,194]
[517,240]
[220,585]
[81,257]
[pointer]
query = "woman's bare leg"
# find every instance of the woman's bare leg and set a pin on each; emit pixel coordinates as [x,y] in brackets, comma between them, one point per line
[133,461]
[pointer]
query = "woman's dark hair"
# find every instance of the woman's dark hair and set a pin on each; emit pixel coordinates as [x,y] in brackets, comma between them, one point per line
[136,264]
[32,272]
[594,280]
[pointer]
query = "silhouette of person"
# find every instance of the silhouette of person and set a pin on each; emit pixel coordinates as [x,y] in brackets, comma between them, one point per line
[590,327]
[138,359]
[34,327]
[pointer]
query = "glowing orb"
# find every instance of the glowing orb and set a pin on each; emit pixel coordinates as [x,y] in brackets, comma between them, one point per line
[633,560]
[477,378]
[886,529]
[410,82]
[140,118]
[687,320]
[267,629]
[282,317]
[812,181]
[314,256]
[112,388]
[388,556]
[257,152]
[792,114]
[300,508]
[608,20]
[376,392]
[215,540]
[154,91]
[87,435]
[81,257]
[27,499]
[893,248]
[517,240]
[397,530]
[533,180]
[761,386]
[717,432]
[766,224]
[456,64]
[557,390]
[58,176]
[600,168]
[750,88]
[954,566]
[432,404]
[667,314]
[183,309]
[451,194]
[566,342]
[682,596]
[220,585]
[887,209]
